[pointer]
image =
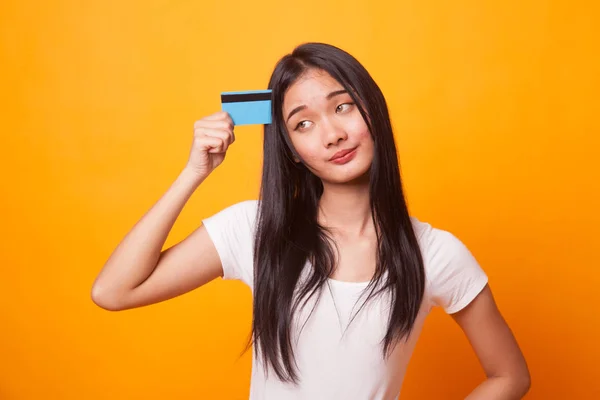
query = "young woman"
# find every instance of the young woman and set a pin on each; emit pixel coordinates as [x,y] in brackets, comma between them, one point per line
[342,277]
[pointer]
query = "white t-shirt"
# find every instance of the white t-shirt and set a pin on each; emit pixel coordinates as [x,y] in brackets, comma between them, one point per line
[349,366]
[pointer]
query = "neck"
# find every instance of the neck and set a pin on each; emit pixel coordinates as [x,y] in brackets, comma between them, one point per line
[345,208]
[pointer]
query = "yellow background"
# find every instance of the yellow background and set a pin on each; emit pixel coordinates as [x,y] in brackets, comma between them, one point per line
[495,108]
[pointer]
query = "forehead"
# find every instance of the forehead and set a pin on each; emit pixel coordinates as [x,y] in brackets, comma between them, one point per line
[314,85]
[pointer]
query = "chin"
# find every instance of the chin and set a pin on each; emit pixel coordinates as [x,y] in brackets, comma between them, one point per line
[350,176]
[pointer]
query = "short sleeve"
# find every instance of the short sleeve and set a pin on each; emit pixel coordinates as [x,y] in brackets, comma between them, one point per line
[455,277]
[232,232]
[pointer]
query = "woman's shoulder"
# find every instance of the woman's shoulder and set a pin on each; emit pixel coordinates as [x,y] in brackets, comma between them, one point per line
[454,275]
[249,206]
[236,215]
[439,247]
[432,237]
[242,209]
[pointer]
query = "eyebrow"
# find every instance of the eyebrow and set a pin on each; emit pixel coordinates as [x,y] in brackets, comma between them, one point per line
[302,107]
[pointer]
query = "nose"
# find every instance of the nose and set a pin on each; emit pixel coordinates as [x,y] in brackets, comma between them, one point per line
[334,133]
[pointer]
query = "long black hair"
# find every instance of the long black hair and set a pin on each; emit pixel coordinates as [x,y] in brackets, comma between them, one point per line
[288,234]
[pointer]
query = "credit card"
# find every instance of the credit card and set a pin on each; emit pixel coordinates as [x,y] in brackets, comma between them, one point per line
[248,107]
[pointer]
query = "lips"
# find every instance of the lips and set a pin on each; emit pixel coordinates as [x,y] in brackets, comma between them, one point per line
[341,153]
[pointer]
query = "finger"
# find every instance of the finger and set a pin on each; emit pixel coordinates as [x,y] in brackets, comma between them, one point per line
[215,124]
[220,133]
[225,136]
[228,118]
[216,116]
[211,144]
[221,116]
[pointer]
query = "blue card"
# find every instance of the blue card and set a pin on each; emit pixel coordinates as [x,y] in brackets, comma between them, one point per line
[249,107]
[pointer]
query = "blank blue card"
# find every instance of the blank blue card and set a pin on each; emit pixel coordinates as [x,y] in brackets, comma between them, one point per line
[248,107]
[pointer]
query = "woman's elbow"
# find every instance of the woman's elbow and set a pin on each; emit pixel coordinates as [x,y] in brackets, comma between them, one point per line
[521,384]
[106,300]
[525,383]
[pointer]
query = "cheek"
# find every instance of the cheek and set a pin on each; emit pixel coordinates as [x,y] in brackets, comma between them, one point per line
[310,156]
[362,136]
[360,131]
[365,136]
[306,149]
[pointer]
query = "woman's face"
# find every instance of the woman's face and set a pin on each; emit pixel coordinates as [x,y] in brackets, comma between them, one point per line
[327,129]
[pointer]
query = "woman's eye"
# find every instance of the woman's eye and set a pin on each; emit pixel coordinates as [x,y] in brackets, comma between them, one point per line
[343,107]
[302,125]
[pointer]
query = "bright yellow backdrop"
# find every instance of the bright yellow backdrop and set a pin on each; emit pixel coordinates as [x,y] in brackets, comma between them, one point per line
[495,108]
